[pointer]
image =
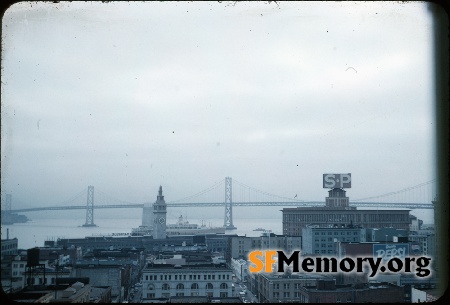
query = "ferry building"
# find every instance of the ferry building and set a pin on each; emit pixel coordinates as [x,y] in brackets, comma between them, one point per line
[338,213]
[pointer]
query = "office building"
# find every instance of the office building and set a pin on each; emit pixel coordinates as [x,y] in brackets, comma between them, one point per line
[167,280]
[338,213]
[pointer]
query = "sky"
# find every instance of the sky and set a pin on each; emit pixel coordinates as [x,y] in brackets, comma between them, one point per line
[130,96]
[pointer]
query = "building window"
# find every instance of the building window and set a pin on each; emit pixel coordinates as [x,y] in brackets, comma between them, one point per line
[209,286]
[180,286]
[165,286]
[180,294]
[194,286]
[151,287]
[150,295]
[286,295]
[224,294]
[223,286]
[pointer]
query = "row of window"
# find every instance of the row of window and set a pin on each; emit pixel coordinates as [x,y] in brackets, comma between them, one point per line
[286,286]
[345,217]
[165,277]
[152,295]
[9,246]
[276,295]
[331,245]
[325,217]
[337,233]
[17,265]
[194,286]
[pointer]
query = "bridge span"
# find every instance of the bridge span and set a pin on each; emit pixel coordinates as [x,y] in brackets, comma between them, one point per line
[411,206]
[228,203]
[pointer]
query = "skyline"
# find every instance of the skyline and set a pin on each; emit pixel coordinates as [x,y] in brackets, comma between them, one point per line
[130,96]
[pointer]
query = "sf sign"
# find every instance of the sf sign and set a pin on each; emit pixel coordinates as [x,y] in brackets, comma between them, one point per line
[337,181]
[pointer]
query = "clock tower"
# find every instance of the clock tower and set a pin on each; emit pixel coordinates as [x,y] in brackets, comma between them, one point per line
[159,216]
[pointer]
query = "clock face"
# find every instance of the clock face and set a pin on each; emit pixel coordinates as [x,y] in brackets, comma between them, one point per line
[162,220]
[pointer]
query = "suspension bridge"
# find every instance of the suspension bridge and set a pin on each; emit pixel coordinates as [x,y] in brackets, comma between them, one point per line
[230,193]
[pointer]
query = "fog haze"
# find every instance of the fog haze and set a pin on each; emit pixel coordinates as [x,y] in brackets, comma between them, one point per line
[130,96]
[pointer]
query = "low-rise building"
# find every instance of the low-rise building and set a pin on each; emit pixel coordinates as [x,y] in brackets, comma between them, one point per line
[167,280]
[114,273]
[9,247]
[326,291]
[78,292]
[240,269]
[274,287]
[240,246]
[326,240]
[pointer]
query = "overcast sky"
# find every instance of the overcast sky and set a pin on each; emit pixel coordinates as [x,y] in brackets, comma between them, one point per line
[128,96]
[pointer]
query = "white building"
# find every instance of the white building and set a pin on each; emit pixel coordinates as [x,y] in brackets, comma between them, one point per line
[418,296]
[240,269]
[21,273]
[240,246]
[167,280]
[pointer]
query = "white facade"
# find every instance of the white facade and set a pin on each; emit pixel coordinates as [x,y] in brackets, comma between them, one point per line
[240,269]
[240,246]
[19,271]
[164,281]
[418,296]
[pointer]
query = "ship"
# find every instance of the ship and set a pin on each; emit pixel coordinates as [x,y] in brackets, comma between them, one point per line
[183,227]
[259,229]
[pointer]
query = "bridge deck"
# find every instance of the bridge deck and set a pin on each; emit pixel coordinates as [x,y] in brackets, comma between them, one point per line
[221,204]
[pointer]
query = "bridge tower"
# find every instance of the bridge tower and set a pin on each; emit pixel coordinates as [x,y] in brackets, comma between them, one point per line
[90,208]
[228,222]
